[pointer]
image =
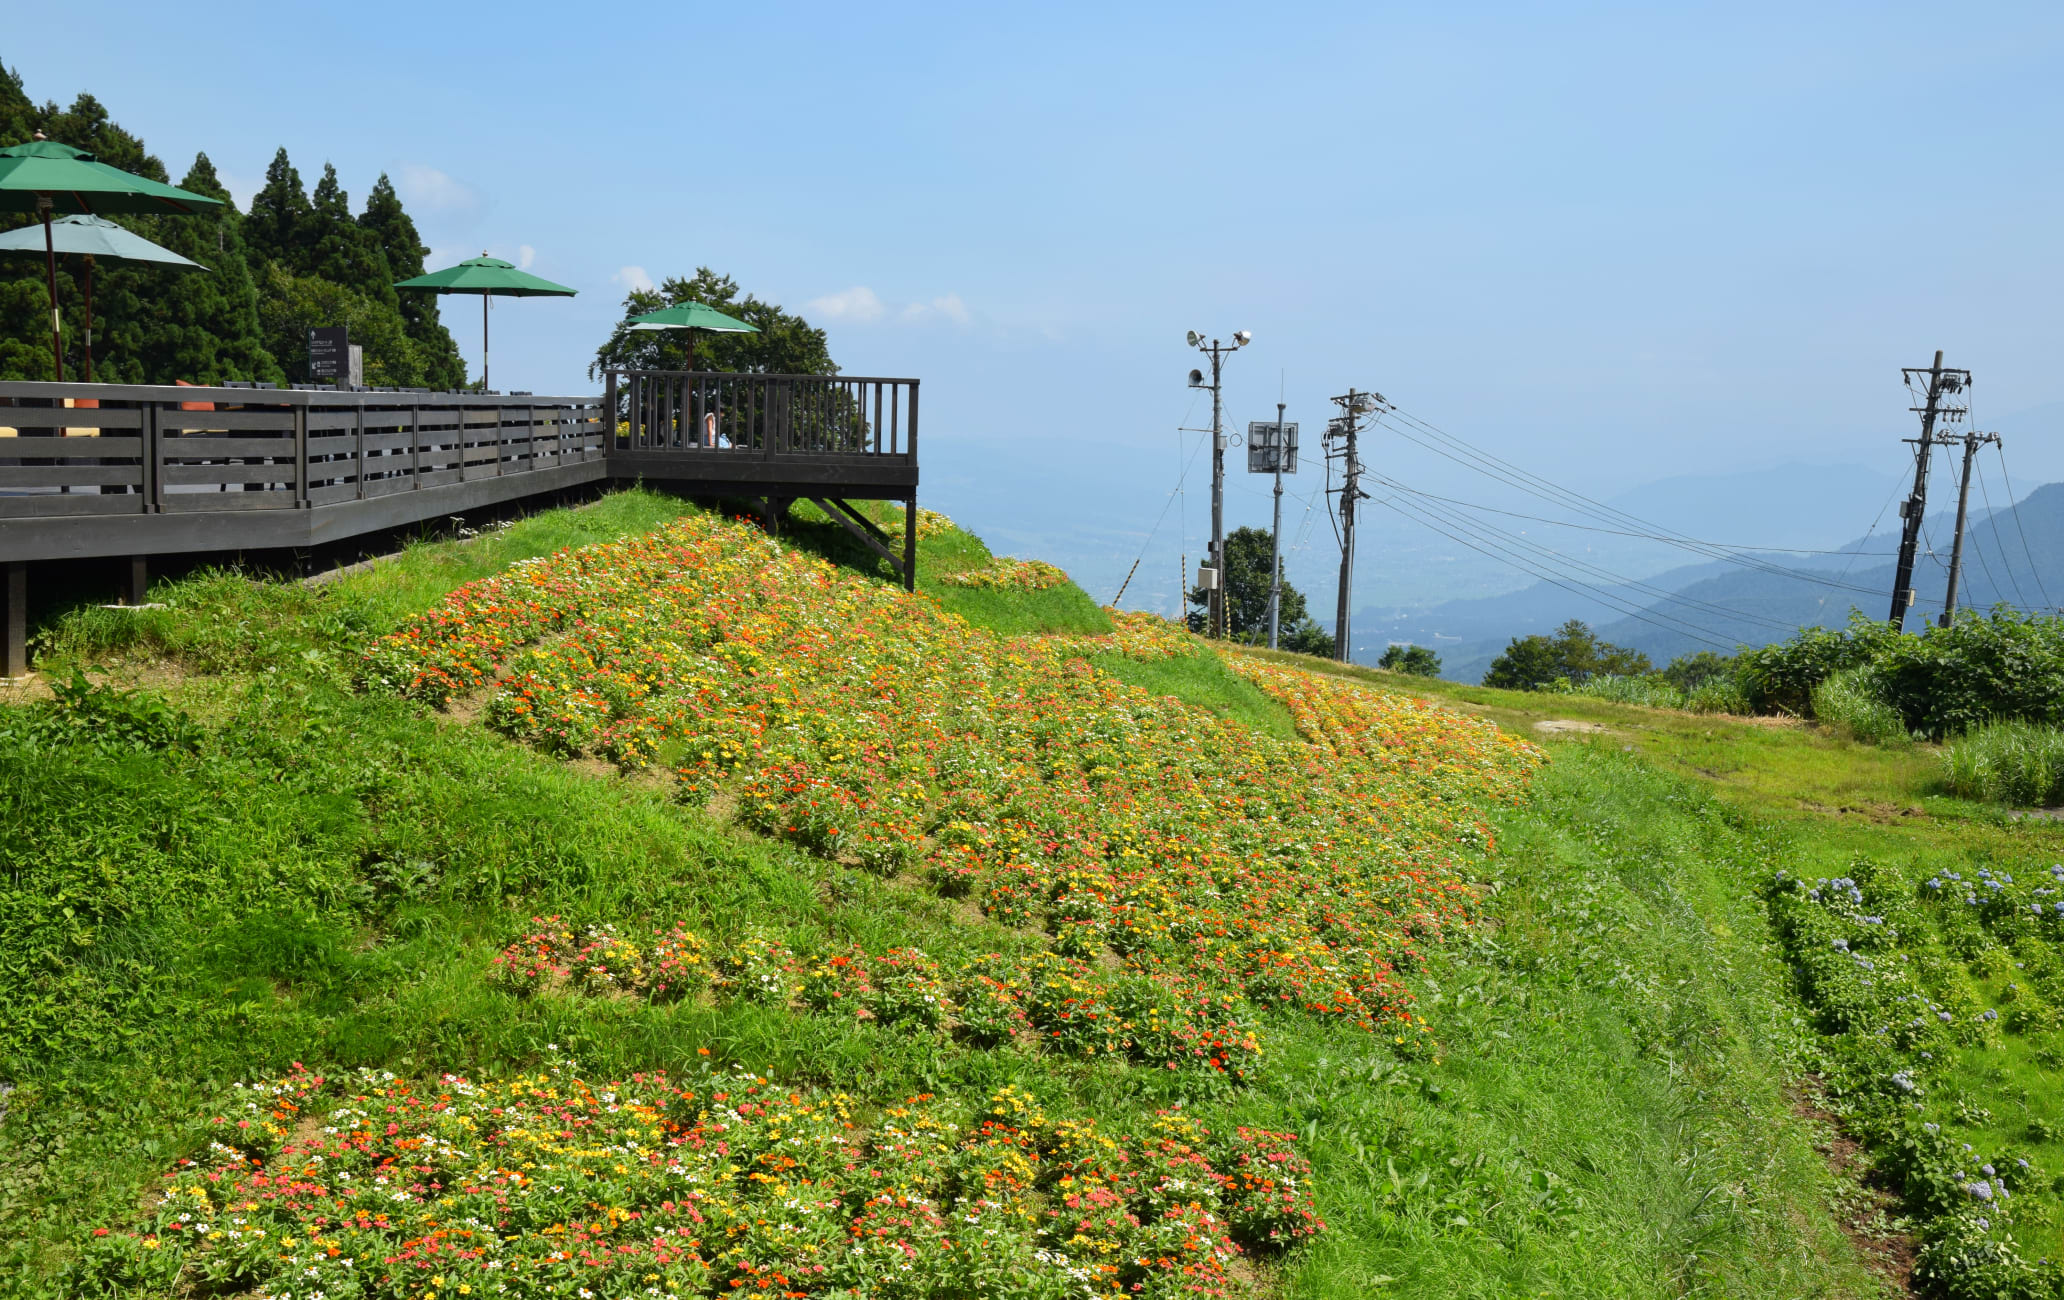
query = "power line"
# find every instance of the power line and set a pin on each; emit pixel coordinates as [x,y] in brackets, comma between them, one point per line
[1173,492]
[1534,485]
[2014,508]
[1662,595]
[1991,519]
[1574,586]
[1621,532]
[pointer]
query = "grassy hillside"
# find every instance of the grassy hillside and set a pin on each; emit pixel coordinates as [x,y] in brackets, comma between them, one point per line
[694,913]
[1926,951]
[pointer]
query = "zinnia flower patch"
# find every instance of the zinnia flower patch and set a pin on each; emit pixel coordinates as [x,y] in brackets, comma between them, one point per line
[379,1186]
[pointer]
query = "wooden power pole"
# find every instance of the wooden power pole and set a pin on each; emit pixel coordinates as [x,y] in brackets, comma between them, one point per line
[1972,441]
[1942,405]
[1343,431]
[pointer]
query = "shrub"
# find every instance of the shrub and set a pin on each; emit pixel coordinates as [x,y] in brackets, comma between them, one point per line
[1649,691]
[1952,679]
[1848,704]
[1781,677]
[1719,695]
[2007,762]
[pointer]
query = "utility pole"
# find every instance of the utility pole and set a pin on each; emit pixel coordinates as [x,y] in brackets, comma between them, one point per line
[1275,572]
[1941,405]
[1972,441]
[1344,430]
[1215,593]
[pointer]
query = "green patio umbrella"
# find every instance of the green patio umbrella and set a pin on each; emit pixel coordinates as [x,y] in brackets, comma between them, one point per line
[90,238]
[691,316]
[489,277]
[44,176]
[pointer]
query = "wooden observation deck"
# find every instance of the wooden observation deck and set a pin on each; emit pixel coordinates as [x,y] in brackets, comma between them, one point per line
[136,471]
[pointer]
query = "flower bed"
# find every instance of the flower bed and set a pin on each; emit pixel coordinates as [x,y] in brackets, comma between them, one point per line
[1009,574]
[1899,973]
[376,1186]
[868,726]
[1150,1017]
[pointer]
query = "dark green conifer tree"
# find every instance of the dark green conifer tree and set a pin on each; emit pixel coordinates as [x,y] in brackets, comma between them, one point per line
[394,233]
[279,217]
[202,326]
[24,301]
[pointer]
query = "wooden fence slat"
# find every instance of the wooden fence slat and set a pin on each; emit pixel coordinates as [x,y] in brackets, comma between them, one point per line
[25,476]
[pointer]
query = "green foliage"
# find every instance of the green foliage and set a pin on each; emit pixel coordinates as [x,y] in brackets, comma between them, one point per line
[393,232]
[1689,672]
[1415,660]
[1718,695]
[2018,763]
[1649,692]
[1781,677]
[1574,652]
[291,305]
[1848,703]
[1941,681]
[785,345]
[1246,585]
[155,324]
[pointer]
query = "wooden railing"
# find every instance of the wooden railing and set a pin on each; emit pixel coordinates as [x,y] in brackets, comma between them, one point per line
[819,419]
[69,450]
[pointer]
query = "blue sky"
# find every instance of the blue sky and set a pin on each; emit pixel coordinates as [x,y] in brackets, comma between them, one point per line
[1613,243]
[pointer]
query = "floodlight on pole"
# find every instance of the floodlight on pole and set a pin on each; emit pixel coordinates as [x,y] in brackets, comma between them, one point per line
[1195,338]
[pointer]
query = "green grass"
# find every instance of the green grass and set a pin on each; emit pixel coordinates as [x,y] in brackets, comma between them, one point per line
[1203,680]
[326,875]
[1610,1117]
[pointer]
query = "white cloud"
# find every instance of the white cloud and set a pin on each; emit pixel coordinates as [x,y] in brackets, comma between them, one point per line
[950,306]
[856,303]
[427,187]
[861,303]
[632,277]
[525,255]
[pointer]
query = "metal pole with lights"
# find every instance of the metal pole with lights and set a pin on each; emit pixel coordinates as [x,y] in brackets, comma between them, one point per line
[1214,584]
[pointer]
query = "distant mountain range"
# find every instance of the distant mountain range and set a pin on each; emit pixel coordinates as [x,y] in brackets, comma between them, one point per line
[2016,556]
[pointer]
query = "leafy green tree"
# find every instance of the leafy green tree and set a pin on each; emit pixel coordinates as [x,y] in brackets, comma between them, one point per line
[1307,638]
[393,231]
[1416,660]
[1574,652]
[1246,580]
[290,305]
[1689,672]
[785,345]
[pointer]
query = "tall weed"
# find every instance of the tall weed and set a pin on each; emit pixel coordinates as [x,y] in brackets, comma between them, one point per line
[2020,763]
[1649,692]
[1848,704]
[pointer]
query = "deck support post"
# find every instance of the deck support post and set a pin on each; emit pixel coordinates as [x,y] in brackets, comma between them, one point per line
[139,580]
[14,623]
[910,543]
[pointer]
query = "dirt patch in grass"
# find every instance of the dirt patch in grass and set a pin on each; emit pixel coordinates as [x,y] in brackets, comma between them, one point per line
[1570,727]
[1867,1213]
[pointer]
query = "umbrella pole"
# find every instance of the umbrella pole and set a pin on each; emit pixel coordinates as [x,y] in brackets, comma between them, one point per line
[483,340]
[50,274]
[89,318]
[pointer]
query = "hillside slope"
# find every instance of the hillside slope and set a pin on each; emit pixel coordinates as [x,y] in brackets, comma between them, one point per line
[739,921]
